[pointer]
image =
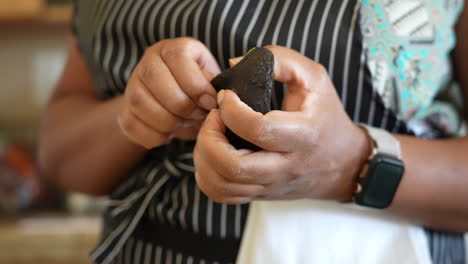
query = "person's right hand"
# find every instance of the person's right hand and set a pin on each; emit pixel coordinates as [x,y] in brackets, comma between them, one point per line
[169,93]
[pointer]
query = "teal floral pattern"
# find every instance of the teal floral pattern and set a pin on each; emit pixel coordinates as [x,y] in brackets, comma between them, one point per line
[408,45]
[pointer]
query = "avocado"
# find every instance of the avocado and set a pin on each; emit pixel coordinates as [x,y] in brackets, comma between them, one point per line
[252,80]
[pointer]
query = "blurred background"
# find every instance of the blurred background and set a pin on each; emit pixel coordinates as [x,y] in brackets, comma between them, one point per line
[38,223]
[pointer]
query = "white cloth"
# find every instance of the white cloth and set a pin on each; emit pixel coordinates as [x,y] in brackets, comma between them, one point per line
[311,231]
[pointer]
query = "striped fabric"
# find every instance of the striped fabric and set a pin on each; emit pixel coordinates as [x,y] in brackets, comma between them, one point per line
[161,191]
[446,248]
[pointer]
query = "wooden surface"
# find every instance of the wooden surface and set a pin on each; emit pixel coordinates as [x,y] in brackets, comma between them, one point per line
[56,15]
[48,239]
[34,11]
[20,9]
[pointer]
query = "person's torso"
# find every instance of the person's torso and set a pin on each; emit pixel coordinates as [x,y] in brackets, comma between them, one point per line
[113,35]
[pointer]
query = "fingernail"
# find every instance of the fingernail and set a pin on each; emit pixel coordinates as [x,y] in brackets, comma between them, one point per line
[220,97]
[207,102]
[198,114]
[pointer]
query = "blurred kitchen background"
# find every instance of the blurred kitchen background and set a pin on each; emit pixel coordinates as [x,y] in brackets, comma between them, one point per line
[38,223]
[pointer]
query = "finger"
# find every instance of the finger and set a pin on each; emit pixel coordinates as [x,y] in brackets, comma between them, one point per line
[186,60]
[286,191]
[275,131]
[293,68]
[211,138]
[302,75]
[155,75]
[213,145]
[147,108]
[213,129]
[262,168]
[208,75]
[239,166]
[140,133]
[187,133]
[218,188]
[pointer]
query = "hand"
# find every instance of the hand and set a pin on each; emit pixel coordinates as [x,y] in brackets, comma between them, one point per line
[169,93]
[311,149]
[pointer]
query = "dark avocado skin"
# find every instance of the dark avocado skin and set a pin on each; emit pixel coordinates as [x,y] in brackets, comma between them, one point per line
[252,80]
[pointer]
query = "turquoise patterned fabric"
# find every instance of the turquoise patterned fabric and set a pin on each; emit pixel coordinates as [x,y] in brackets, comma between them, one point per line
[408,45]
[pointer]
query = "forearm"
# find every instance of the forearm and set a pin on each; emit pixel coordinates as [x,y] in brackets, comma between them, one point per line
[434,188]
[82,148]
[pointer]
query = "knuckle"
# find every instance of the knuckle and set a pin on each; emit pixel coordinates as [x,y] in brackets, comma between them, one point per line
[187,41]
[175,50]
[261,129]
[270,47]
[169,52]
[127,124]
[322,72]
[179,47]
[135,99]
[147,70]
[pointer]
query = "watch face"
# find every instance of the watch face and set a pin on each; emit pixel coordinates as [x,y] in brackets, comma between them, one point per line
[382,180]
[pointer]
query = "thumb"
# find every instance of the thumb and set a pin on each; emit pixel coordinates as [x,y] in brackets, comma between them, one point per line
[214,126]
[208,75]
[303,76]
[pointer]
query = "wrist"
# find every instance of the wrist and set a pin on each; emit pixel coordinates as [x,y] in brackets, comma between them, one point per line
[116,106]
[358,150]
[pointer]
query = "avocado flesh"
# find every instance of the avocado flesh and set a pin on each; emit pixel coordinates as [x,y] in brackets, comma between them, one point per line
[252,80]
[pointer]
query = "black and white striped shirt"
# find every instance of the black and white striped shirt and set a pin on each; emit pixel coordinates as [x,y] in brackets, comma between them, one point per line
[158,215]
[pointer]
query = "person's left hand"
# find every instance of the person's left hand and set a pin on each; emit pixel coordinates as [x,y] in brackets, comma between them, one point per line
[311,149]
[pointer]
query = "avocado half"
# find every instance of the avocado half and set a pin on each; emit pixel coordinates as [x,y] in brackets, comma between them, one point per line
[252,80]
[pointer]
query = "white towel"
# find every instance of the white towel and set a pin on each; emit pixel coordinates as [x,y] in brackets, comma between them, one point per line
[320,232]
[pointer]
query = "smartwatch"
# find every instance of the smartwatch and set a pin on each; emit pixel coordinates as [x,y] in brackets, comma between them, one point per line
[381,175]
